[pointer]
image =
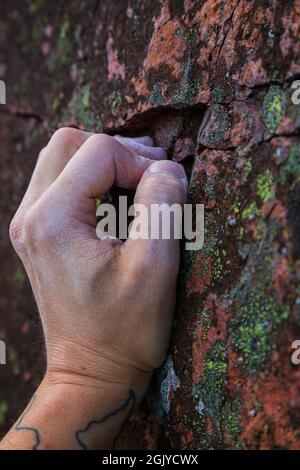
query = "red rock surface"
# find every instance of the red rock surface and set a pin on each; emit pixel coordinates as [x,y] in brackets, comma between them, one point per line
[211,80]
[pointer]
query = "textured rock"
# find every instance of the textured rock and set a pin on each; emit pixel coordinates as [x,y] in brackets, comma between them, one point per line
[211,80]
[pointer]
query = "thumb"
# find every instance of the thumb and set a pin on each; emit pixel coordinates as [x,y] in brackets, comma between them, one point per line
[159,198]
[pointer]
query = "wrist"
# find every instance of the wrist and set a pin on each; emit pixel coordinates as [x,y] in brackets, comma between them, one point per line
[93,373]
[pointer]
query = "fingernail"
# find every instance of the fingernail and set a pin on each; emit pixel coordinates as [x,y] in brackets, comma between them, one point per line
[168,167]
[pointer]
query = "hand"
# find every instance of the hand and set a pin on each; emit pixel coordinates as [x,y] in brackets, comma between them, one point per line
[106,306]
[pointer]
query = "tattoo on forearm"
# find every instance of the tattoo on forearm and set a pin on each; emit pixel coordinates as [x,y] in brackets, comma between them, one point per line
[129,405]
[20,427]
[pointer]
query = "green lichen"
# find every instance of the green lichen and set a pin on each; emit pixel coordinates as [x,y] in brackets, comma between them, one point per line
[77,34]
[274,107]
[68,39]
[188,86]
[265,186]
[230,422]
[290,171]
[259,317]
[258,406]
[81,109]
[180,33]
[236,206]
[209,393]
[55,104]
[247,168]
[33,6]
[199,426]
[3,411]
[14,361]
[37,32]
[253,331]
[51,62]
[210,388]
[186,35]
[213,248]
[220,265]
[218,94]
[85,100]
[156,97]
[116,100]
[64,43]
[206,322]
[20,275]
[251,211]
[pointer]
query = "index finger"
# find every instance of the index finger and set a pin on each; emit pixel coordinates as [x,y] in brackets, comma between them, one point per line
[99,163]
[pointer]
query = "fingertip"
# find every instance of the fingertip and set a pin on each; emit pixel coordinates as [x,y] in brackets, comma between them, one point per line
[144,140]
[168,168]
[158,153]
[163,181]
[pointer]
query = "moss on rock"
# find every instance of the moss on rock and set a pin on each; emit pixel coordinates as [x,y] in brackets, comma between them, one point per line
[274,108]
[252,331]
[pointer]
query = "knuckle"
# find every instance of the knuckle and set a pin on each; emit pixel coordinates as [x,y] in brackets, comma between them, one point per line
[34,230]
[101,139]
[38,232]
[15,231]
[21,233]
[65,137]
[30,227]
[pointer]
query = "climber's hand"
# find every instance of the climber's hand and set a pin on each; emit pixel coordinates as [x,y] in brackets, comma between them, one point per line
[106,306]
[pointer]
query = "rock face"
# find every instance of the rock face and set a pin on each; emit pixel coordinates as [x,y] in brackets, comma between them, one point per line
[213,82]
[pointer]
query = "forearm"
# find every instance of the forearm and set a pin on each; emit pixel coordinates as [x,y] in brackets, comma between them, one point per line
[70,416]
